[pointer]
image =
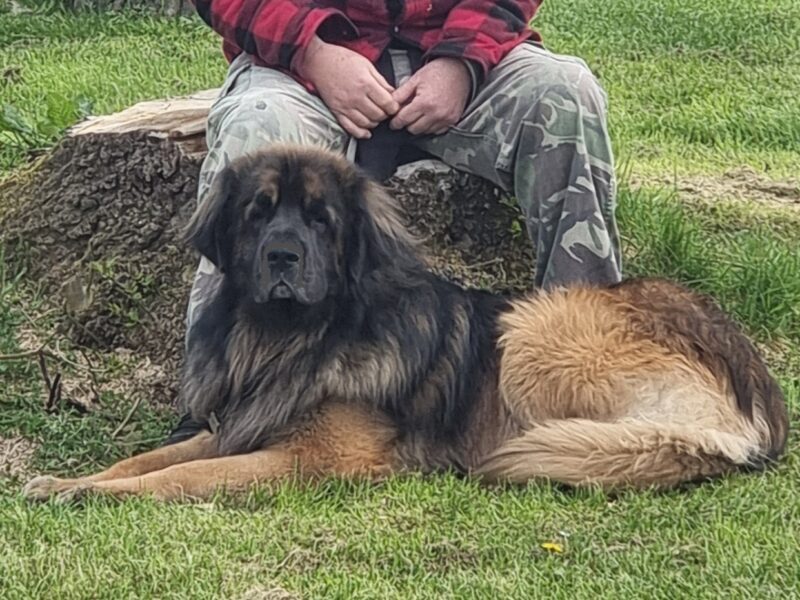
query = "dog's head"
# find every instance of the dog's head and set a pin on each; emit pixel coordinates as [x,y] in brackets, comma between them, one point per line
[293,224]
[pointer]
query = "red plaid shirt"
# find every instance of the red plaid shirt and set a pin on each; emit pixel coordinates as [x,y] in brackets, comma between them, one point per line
[480,31]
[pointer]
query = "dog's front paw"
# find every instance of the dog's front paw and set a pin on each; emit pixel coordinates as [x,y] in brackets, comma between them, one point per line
[76,491]
[41,488]
[67,490]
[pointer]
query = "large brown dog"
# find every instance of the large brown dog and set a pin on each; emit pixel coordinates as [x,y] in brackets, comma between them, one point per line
[330,350]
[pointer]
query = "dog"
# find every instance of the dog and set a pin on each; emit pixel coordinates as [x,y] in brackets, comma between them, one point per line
[330,350]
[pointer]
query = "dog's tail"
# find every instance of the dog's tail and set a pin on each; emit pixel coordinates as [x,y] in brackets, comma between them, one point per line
[633,452]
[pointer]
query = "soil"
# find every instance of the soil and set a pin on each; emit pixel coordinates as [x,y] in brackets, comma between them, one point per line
[16,454]
[741,184]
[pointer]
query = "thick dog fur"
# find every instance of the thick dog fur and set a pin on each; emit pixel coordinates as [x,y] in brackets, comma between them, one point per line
[331,350]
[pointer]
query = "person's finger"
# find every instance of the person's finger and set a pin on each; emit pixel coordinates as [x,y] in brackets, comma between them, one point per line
[408,114]
[352,128]
[404,93]
[360,119]
[384,101]
[440,128]
[371,110]
[424,124]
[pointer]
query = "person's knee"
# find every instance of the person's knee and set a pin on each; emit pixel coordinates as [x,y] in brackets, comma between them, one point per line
[565,80]
[583,84]
[257,117]
[250,111]
[564,114]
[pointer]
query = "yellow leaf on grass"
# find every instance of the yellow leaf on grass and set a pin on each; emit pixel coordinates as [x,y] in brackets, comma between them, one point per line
[553,547]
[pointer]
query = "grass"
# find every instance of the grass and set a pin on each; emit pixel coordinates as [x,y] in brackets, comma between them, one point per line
[55,69]
[753,270]
[74,440]
[695,87]
[412,538]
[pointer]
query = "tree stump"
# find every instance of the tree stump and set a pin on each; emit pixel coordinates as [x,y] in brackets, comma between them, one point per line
[98,226]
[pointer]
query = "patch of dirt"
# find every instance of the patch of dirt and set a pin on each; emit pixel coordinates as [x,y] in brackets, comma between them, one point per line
[273,593]
[780,355]
[137,376]
[16,454]
[86,374]
[741,184]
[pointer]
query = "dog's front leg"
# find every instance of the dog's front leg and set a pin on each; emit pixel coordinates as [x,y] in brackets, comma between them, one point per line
[200,479]
[338,440]
[202,446]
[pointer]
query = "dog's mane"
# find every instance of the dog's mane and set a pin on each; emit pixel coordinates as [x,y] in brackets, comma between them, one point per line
[395,330]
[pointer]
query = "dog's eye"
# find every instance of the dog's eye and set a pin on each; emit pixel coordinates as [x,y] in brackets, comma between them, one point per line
[259,208]
[319,223]
[255,213]
[263,200]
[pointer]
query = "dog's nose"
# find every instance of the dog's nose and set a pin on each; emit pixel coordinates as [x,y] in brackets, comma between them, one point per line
[282,257]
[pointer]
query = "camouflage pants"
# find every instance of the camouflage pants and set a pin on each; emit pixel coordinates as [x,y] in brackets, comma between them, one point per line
[537,129]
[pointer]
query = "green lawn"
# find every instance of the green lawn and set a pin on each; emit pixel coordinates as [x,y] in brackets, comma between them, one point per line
[697,88]
[694,86]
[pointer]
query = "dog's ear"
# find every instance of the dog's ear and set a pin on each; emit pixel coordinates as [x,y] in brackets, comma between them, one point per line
[208,229]
[381,239]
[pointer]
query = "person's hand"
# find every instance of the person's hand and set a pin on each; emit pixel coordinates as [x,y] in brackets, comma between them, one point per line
[357,95]
[434,98]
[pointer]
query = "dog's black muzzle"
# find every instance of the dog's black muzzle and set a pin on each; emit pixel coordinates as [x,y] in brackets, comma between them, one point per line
[280,268]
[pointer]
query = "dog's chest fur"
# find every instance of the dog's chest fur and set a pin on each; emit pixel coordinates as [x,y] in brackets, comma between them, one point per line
[425,360]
